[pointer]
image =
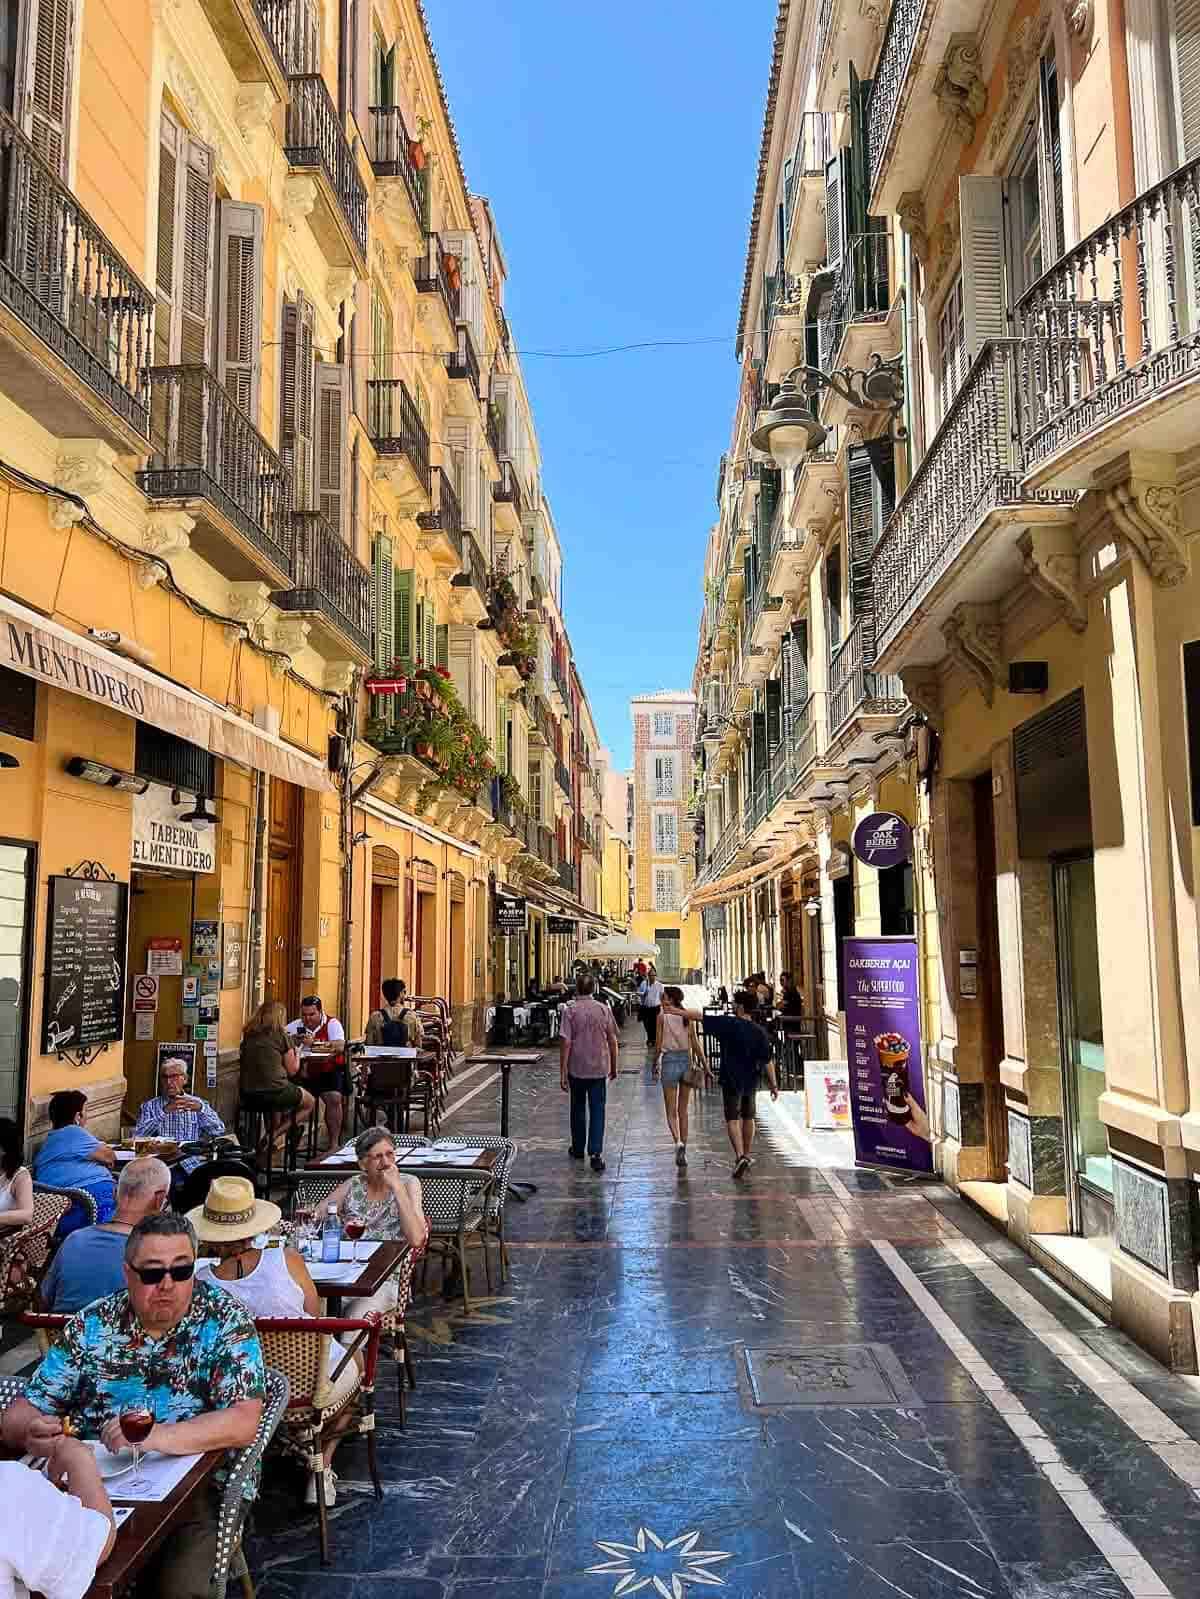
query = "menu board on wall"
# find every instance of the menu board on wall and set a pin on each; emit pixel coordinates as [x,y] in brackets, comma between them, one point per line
[87,926]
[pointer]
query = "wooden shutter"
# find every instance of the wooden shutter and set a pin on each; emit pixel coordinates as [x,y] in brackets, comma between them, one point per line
[383,601]
[194,252]
[296,387]
[333,404]
[239,303]
[871,480]
[429,642]
[1050,164]
[981,212]
[48,57]
[799,638]
[1184,34]
[170,138]
[441,654]
[759,742]
[834,231]
[774,712]
[404,618]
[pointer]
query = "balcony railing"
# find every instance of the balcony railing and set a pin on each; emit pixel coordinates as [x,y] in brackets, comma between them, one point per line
[567,876]
[462,362]
[391,153]
[973,465]
[514,817]
[1117,317]
[475,566]
[852,687]
[559,678]
[446,515]
[860,291]
[329,579]
[809,156]
[204,448]
[507,487]
[891,69]
[63,279]
[431,274]
[314,138]
[544,844]
[563,776]
[395,425]
[492,427]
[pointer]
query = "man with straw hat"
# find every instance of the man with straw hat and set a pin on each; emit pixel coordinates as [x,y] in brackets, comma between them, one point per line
[271,1280]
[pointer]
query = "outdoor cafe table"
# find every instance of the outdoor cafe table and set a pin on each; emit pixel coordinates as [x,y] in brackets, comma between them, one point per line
[374,1271]
[506,1059]
[140,1534]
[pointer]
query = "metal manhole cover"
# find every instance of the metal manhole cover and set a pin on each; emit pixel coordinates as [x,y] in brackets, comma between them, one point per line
[834,1374]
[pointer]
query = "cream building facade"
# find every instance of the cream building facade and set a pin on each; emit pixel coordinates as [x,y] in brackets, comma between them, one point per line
[663,726]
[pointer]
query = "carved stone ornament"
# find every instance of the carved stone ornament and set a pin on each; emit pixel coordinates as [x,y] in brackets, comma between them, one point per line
[65,514]
[299,198]
[959,87]
[290,634]
[975,641]
[944,246]
[84,467]
[911,211]
[338,677]
[340,286]
[923,690]
[253,109]
[249,603]
[1147,517]
[1051,561]
[167,533]
[1078,14]
[1023,55]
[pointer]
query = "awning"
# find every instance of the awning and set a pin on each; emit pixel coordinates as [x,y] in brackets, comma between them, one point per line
[52,654]
[557,903]
[735,882]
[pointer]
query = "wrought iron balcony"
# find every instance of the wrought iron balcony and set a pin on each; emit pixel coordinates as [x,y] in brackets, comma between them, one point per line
[1116,319]
[431,270]
[462,363]
[445,518]
[542,729]
[63,281]
[545,845]
[558,677]
[254,36]
[568,877]
[492,428]
[563,777]
[891,76]
[854,689]
[332,586]
[397,430]
[206,453]
[402,183]
[967,491]
[506,490]
[859,292]
[316,145]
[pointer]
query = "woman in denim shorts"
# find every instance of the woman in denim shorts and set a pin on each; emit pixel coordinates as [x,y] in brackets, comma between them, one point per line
[676,1045]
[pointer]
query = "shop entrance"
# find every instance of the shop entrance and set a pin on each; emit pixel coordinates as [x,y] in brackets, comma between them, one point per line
[458,941]
[282,976]
[1081,1041]
[162,907]
[385,919]
[991,998]
[424,931]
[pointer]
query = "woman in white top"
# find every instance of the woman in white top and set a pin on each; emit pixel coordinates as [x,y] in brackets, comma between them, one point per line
[16,1185]
[677,1046]
[269,1282]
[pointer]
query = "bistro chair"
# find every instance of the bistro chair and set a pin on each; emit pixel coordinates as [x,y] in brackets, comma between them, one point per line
[83,1197]
[498,1192]
[254,1127]
[456,1208]
[25,1252]
[393,1327]
[241,1489]
[299,1348]
[397,1088]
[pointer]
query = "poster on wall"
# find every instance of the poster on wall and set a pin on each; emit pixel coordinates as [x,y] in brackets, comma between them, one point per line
[164,957]
[827,1094]
[180,1051]
[883,1041]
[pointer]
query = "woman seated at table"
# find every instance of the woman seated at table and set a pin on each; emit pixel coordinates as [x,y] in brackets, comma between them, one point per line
[16,1185]
[271,1282]
[71,1157]
[268,1065]
[388,1201]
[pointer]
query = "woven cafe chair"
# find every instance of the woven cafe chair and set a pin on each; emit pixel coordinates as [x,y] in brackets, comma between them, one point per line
[47,1324]
[498,1192]
[83,1197]
[397,1103]
[393,1327]
[456,1209]
[25,1251]
[241,1489]
[299,1348]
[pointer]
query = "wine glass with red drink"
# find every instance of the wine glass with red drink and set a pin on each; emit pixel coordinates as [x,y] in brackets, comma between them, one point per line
[137,1423]
[355,1228]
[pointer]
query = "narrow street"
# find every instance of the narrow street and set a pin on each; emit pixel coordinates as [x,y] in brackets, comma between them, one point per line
[818,1382]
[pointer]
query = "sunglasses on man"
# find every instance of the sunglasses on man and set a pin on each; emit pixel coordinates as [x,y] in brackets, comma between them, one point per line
[153,1275]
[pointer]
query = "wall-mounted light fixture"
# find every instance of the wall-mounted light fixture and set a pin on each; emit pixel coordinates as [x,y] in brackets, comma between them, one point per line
[199,815]
[83,767]
[812,906]
[7,761]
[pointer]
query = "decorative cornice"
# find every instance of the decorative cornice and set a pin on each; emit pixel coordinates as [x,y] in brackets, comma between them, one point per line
[910,210]
[1140,496]
[1051,561]
[1023,56]
[923,690]
[975,641]
[299,198]
[959,87]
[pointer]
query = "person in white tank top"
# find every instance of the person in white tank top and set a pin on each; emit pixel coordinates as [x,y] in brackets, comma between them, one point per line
[270,1282]
[676,1048]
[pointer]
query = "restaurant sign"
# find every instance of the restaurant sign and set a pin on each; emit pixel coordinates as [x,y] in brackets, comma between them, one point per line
[161,840]
[511,914]
[565,926]
[883,839]
[883,1041]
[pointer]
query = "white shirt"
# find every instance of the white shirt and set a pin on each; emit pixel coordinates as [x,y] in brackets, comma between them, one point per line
[335,1032]
[8,1198]
[653,996]
[49,1542]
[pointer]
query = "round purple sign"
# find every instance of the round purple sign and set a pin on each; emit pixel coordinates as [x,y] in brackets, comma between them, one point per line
[883,839]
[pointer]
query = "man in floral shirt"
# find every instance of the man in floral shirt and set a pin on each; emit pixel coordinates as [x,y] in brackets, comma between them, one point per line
[186,1351]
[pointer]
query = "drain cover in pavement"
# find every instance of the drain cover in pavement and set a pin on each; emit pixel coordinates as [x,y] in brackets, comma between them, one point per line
[834,1374]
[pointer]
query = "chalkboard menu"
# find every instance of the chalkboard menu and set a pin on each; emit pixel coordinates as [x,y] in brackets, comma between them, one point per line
[86,935]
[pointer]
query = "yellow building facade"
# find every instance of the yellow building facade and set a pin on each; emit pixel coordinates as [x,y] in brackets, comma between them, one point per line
[663,861]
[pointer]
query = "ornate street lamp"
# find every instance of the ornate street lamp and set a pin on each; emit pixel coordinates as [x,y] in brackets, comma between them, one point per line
[789,430]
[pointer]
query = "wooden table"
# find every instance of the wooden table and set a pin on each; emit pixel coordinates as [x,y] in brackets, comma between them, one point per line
[376,1270]
[506,1059]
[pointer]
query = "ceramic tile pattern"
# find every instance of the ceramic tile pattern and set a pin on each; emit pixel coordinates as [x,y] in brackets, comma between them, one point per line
[591,1430]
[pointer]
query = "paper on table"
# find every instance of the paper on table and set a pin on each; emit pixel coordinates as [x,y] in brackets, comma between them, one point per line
[346,1271]
[365,1251]
[156,1478]
[442,1157]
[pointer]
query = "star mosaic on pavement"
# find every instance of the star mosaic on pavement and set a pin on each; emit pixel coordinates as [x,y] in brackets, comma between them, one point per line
[666,1568]
[439,1328]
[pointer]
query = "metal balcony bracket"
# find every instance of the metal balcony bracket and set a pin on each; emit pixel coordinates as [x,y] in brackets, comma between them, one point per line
[879,387]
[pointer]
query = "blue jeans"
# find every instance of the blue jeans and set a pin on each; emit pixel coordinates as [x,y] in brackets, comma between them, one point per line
[589,1096]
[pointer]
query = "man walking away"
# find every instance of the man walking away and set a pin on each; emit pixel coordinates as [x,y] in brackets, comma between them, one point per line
[745,1053]
[587,1048]
[652,998]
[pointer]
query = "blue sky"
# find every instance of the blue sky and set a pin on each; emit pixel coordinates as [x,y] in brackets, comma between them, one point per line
[618,144]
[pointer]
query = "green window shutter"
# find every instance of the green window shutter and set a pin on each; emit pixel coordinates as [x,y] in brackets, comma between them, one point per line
[871,477]
[404,618]
[799,659]
[442,653]
[774,712]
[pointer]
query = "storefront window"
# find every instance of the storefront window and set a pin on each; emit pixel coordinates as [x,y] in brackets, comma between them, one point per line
[1082,1026]
[16,929]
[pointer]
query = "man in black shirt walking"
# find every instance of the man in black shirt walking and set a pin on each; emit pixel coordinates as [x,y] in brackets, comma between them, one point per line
[745,1054]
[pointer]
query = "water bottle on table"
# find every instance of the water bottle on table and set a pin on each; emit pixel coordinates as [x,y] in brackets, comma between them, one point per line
[331,1238]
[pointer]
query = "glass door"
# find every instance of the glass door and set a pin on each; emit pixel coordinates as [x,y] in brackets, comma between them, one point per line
[17,877]
[1081,1041]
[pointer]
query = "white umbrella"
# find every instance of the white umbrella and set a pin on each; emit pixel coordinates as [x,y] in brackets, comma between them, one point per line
[619,947]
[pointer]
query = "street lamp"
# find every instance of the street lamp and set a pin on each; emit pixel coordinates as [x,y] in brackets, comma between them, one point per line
[789,430]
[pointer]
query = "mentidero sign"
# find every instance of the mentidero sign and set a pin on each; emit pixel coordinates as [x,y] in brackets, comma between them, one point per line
[39,656]
[161,839]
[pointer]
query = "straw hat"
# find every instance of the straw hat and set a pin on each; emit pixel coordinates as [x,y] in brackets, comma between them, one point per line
[232,1212]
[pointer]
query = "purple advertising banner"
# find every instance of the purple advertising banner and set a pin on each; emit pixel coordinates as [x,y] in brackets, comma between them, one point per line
[883,1042]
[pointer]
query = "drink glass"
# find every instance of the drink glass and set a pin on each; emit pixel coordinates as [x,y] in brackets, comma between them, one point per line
[355,1228]
[137,1423]
[303,1216]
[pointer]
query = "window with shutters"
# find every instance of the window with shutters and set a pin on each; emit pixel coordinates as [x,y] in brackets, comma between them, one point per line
[186,225]
[332,412]
[239,302]
[535,790]
[1181,28]
[871,483]
[382,345]
[297,391]
[383,72]
[1026,245]
[46,51]
[833,597]
[666,834]
[664,724]
[405,619]
[664,777]
[666,889]
[952,348]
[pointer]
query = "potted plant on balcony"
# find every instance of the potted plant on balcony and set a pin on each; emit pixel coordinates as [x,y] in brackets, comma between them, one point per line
[510,793]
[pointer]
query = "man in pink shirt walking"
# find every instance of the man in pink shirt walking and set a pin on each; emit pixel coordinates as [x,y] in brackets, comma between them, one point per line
[587,1048]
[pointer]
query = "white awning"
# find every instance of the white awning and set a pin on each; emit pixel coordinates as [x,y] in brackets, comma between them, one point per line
[50,653]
